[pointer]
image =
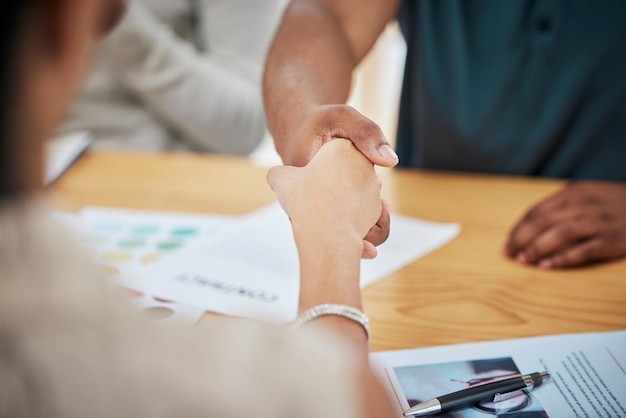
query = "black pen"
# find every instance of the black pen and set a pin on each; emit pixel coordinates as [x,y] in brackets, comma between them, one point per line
[481,393]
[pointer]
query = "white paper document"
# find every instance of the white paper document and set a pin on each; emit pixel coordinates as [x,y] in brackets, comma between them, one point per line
[124,241]
[243,266]
[61,152]
[253,270]
[588,375]
[409,239]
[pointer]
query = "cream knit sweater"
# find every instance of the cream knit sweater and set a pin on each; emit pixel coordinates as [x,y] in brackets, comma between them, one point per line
[71,346]
[182,75]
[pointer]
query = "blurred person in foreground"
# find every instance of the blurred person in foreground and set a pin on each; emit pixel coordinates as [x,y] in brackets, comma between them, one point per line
[71,345]
[180,75]
[510,87]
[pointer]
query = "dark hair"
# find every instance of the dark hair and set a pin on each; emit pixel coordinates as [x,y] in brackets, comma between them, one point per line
[12,19]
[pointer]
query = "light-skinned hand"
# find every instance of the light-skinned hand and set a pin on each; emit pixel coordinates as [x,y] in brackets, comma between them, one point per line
[335,197]
[582,224]
[328,122]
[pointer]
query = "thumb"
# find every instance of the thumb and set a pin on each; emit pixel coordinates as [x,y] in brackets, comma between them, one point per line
[367,137]
[375,147]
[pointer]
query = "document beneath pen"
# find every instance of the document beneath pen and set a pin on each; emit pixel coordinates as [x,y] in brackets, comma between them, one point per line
[587,375]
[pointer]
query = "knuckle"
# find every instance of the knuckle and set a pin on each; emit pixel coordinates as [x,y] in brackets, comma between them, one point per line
[591,201]
[532,215]
[565,232]
[592,251]
[606,217]
[368,129]
[615,235]
[535,226]
[562,204]
[375,238]
[531,253]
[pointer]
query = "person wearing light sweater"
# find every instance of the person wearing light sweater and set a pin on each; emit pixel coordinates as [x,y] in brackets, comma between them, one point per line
[180,75]
[72,346]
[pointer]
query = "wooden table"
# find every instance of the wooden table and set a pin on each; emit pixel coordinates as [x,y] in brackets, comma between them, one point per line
[465,291]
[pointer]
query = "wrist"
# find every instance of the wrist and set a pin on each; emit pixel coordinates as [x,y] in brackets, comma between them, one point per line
[331,237]
[342,311]
[329,270]
[294,143]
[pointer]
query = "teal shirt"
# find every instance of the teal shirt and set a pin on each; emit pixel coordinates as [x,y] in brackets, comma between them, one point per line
[515,87]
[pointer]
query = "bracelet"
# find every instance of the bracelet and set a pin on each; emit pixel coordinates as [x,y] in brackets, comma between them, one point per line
[345,311]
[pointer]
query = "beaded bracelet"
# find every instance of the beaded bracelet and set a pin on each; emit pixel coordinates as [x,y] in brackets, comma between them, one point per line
[345,311]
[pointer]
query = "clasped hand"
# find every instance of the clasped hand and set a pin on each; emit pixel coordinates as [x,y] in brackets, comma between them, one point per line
[334,198]
[324,124]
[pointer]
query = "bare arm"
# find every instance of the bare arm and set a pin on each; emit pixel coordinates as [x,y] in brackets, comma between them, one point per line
[332,203]
[336,280]
[309,66]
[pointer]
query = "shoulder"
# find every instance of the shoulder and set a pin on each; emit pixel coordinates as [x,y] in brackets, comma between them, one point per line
[95,356]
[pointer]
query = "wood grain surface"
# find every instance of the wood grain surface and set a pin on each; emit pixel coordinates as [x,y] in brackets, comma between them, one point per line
[465,291]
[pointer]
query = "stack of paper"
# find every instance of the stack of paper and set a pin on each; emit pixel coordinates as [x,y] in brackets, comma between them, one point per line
[245,266]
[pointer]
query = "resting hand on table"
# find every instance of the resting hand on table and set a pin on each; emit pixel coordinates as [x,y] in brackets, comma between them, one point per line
[582,224]
[335,197]
[325,123]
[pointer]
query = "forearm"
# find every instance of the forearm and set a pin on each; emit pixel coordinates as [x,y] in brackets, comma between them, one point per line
[310,63]
[329,273]
[212,101]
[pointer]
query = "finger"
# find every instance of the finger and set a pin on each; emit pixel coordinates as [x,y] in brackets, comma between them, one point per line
[524,232]
[557,238]
[533,222]
[366,136]
[369,250]
[380,231]
[536,222]
[586,252]
[372,143]
[545,210]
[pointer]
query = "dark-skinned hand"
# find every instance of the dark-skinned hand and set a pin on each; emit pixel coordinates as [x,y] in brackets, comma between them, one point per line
[328,122]
[582,224]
